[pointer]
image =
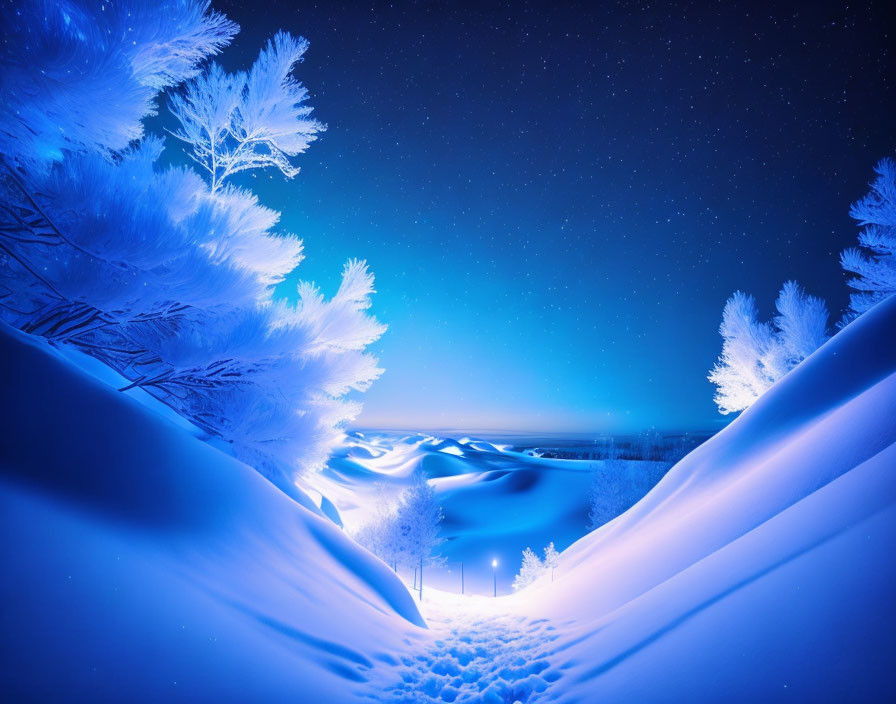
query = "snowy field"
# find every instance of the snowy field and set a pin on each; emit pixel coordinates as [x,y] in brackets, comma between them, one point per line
[760,566]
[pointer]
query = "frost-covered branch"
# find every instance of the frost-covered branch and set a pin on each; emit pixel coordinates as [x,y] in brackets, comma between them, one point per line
[248,120]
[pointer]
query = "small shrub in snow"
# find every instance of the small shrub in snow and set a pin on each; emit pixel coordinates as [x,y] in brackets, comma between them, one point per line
[551,557]
[380,536]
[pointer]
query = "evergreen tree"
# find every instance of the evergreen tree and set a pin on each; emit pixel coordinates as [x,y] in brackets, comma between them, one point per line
[530,570]
[417,524]
[551,558]
[756,354]
[875,272]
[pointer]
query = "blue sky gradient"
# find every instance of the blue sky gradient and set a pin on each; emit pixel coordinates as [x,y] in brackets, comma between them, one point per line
[557,202]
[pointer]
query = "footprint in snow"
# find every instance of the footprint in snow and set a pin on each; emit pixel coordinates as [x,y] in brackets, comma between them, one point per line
[499,660]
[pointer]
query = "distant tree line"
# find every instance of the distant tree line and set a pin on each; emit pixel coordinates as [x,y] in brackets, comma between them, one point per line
[650,445]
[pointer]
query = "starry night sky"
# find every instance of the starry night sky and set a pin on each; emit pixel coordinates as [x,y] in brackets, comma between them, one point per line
[557,198]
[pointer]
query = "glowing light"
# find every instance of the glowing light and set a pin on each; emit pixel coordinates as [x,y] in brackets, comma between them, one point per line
[495,562]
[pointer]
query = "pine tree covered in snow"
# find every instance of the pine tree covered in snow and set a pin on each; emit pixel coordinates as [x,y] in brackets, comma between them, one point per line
[406,534]
[756,354]
[381,536]
[163,277]
[551,557]
[417,520]
[875,271]
[530,570]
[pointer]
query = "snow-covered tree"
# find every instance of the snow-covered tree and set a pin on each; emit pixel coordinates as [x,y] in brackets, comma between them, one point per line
[740,374]
[608,493]
[756,354]
[530,570]
[152,271]
[418,517]
[81,76]
[248,120]
[381,535]
[801,324]
[551,558]
[875,271]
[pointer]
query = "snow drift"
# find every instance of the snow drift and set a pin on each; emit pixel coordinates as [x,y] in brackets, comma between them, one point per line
[760,568]
[141,564]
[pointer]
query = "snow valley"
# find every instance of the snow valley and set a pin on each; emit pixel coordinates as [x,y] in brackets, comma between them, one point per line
[205,578]
[198,503]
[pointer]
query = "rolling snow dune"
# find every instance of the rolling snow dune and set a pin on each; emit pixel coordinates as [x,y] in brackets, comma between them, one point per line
[761,567]
[141,564]
[495,502]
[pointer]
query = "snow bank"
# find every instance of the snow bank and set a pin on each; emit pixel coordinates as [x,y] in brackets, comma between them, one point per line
[760,568]
[142,564]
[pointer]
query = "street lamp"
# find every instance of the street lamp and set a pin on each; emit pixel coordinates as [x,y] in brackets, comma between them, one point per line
[495,574]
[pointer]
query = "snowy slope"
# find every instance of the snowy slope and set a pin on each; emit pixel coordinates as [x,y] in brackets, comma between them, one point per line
[141,564]
[760,568]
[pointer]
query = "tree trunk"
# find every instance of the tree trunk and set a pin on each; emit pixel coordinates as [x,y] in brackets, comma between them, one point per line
[421,579]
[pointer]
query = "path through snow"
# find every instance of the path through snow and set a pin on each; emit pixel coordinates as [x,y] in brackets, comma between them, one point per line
[477,653]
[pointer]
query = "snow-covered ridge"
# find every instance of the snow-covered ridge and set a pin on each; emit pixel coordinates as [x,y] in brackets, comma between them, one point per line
[144,565]
[761,565]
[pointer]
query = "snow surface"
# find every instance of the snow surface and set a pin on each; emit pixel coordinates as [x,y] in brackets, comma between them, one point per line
[147,565]
[141,564]
[477,651]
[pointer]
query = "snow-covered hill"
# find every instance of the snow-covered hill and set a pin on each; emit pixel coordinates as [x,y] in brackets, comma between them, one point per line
[761,568]
[141,564]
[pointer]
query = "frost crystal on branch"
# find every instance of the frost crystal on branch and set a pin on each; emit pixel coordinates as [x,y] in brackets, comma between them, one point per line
[248,120]
[80,76]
